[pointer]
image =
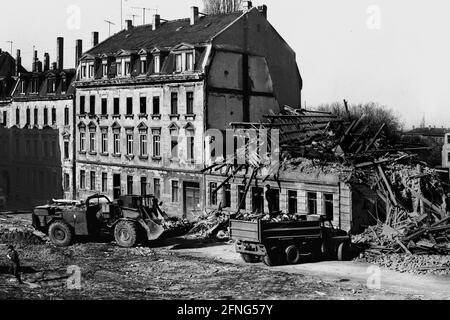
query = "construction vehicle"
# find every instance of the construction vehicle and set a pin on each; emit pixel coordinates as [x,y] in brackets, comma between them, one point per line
[131,220]
[288,242]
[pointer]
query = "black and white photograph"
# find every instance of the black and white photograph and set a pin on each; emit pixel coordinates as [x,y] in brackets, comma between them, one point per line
[225,156]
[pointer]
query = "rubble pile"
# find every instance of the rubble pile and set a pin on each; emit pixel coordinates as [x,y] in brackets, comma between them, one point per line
[17,231]
[214,224]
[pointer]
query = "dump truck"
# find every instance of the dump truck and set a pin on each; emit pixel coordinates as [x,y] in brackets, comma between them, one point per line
[130,220]
[288,242]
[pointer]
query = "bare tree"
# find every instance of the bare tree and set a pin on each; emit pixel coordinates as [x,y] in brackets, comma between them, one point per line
[221,6]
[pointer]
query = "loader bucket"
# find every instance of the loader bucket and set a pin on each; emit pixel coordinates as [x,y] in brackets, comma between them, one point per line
[154,230]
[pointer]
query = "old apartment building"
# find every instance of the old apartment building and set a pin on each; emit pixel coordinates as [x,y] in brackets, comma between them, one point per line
[41,119]
[146,97]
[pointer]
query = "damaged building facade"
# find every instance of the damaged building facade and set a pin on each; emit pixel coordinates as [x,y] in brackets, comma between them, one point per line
[40,122]
[147,96]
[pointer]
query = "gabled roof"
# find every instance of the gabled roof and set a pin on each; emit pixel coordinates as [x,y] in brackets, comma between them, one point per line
[168,35]
[8,65]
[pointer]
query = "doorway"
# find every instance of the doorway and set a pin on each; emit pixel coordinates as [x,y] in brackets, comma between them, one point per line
[191,197]
[117,187]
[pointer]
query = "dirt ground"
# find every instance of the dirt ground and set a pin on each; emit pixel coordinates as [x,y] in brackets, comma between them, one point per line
[167,272]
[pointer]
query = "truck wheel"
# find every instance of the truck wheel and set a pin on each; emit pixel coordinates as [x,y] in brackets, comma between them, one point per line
[343,252]
[248,258]
[125,234]
[273,257]
[292,254]
[60,234]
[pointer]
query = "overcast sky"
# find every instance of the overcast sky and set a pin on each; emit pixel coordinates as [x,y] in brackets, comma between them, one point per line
[395,52]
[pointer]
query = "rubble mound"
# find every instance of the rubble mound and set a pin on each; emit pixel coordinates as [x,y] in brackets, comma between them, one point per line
[15,231]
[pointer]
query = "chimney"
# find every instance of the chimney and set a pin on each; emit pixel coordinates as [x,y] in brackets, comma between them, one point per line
[129,24]
[263,10]
[78,51]
[247,5]
[18,62]
[194,15]
[35,60]
[156,21]
[60,52]
[94,38]
[39,66]
[54,66]
[46,62]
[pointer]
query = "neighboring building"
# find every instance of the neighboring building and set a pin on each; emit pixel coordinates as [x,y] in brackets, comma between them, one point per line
[146,96]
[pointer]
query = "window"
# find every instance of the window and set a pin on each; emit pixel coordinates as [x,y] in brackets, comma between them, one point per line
[17,117]
[241,198]
[157,187]
[66,117]
[189,61]
[157,64]
[45,114]
[92,142]
[105,69]
[178,63]
[212,194]
[91,71]
[119,67]
[328,206]
[143,66]
[292,202]
[22,87]
[104,142]
[51,86]
[82,141]
[156,109]
[104,182]
[190,103]
[116,143]
[127,68]
[175,191]
[28,117]
[130,185]
[174,103]
[92,180]
[227,195]
[83,71]
[92,106]
[143,145]
[5,116]
[129,106]
[174,144]
[66,150]
[66,181]
[116,106]
[82,179]
[53,116]
[312,203]
[448,157]
[190,145]
[104,106]
[156,145]
[82,105]
[143,186]
[143,105]
[130,144]
[257,200]
[36,117]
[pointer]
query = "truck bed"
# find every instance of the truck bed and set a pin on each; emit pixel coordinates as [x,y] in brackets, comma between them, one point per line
[264,231]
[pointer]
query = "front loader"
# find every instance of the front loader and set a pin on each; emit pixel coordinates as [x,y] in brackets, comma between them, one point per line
[131,220]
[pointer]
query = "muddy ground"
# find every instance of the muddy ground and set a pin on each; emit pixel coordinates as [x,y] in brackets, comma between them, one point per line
[110,272]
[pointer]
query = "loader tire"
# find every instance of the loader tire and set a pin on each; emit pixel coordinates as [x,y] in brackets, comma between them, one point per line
[60,234]
[273,257]
[126,234]
[343,252]
[248,258]
[292,254]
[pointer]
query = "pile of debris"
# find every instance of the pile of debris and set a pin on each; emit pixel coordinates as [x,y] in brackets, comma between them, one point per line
[214,224]
[17,231]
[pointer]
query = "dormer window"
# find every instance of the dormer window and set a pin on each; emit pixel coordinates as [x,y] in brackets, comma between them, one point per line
[157,64]
[123,66]
[91,70]
[63,84]
[127,68]
[105,68]
[22,87]
[179,62]
[189,61]
[34,86]
[51,86]
[143,65]
[83,70]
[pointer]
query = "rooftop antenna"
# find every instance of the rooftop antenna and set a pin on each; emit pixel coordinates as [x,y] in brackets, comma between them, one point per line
[143,12]
[133,16]
[11,43]
[109,25]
